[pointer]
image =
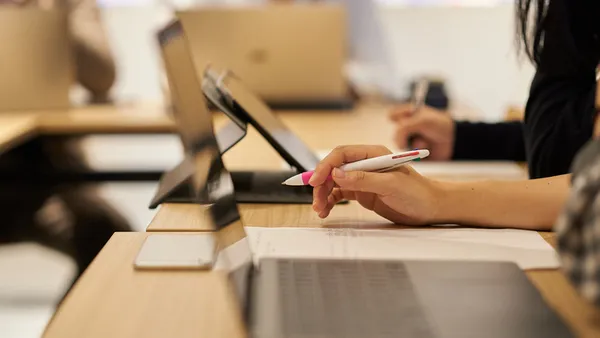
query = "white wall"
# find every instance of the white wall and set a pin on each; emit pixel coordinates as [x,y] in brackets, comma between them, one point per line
[472,48]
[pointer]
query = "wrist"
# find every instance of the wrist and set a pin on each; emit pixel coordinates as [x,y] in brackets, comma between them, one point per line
[451,207]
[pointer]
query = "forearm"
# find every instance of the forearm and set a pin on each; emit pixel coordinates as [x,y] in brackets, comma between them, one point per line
[530,204]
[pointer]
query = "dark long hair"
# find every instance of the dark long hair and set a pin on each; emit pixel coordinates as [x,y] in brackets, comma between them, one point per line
[570,26]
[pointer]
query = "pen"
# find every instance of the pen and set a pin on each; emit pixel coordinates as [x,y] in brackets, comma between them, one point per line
[375,164]
[419,96]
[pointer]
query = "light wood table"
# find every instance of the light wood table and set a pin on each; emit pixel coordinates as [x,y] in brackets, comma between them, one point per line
[113,300]
[15,130]
[139,118]
[18,127]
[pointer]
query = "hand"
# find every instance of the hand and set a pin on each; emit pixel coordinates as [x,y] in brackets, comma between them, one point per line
[402,196]
[432,129]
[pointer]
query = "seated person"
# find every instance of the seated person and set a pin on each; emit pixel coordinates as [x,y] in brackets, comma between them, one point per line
[560,110]
[69,218]
[403,196]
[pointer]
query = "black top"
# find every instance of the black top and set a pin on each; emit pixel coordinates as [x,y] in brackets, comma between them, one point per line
[560,112]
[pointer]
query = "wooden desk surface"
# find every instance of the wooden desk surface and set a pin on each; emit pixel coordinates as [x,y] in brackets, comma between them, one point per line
[15,129]
[113,300]
[130,119]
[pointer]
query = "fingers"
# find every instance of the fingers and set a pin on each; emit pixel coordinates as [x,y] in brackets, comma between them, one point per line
[320,194]
[341,155]
[334,198]
[360,181]
[408,128]
[401,111]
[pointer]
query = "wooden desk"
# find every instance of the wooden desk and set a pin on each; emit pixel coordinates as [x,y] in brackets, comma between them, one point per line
[113,300]
[131,119]
[15,129]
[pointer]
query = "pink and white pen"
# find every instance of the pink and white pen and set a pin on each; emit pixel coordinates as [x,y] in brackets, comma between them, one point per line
[375,164]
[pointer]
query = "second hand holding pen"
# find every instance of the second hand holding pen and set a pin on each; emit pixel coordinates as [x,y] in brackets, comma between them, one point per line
[375,164]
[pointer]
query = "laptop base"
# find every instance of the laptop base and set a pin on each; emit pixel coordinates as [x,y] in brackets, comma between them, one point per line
[302,297]
[250,187]
[342,104]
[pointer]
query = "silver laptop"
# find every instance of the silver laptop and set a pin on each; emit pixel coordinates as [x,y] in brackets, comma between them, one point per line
[291,56]
[349,298]
[36,65]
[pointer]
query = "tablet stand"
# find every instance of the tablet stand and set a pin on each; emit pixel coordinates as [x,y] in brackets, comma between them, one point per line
[251,187]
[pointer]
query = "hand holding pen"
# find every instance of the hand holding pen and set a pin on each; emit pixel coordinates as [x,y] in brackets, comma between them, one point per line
[375,164]
[401,195]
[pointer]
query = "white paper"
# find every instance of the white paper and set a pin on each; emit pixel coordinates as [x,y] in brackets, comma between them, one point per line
[526,248]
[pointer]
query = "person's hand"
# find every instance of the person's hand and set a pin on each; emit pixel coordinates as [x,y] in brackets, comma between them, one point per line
[402,196]
[431,129]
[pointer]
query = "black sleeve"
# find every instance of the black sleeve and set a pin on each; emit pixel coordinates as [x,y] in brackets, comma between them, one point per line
[489,141]
[559,120]
[560,111]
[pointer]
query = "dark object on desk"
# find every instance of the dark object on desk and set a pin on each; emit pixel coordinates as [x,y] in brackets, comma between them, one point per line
[436,95]
[345,104]
[250,186]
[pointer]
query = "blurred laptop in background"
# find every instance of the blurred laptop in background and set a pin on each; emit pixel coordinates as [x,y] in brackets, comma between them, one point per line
[258,42]
[36,64]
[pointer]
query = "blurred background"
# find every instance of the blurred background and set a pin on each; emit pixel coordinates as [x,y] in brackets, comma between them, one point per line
[468,44]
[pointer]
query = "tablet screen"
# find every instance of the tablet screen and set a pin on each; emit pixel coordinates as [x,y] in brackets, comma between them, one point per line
[294,151]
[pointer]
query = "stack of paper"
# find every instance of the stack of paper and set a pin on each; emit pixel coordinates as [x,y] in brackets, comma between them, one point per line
[526,248]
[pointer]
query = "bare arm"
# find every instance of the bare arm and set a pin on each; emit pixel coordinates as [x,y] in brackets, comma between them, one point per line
[530,204]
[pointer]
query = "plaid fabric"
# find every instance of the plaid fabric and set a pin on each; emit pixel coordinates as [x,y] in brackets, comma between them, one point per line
[578,227]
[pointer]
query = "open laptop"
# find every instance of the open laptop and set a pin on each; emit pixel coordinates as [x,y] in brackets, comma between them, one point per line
[243,107]
[36,68]
[288,297]
[258,43]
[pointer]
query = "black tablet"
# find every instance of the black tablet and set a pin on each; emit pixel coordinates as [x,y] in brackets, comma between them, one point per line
[249,107]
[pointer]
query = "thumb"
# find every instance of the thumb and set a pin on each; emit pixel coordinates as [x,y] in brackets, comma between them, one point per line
[362,181]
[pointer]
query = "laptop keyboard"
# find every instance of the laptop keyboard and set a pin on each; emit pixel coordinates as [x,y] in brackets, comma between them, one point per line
[349,299]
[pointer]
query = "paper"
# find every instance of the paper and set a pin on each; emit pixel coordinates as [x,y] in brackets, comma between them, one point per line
[526,248]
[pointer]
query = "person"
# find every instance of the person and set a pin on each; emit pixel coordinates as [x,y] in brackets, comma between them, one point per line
[563,45]
[35,204]
[559,114]
[95,67]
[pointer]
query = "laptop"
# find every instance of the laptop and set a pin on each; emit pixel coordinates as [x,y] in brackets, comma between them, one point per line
[35,59]
[291,297]
[231,96]
[258,42]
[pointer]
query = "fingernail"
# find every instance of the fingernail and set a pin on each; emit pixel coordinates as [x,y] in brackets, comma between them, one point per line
[339,173]
[313,179]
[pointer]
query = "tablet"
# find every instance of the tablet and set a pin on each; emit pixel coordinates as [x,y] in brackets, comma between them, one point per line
[249,107]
